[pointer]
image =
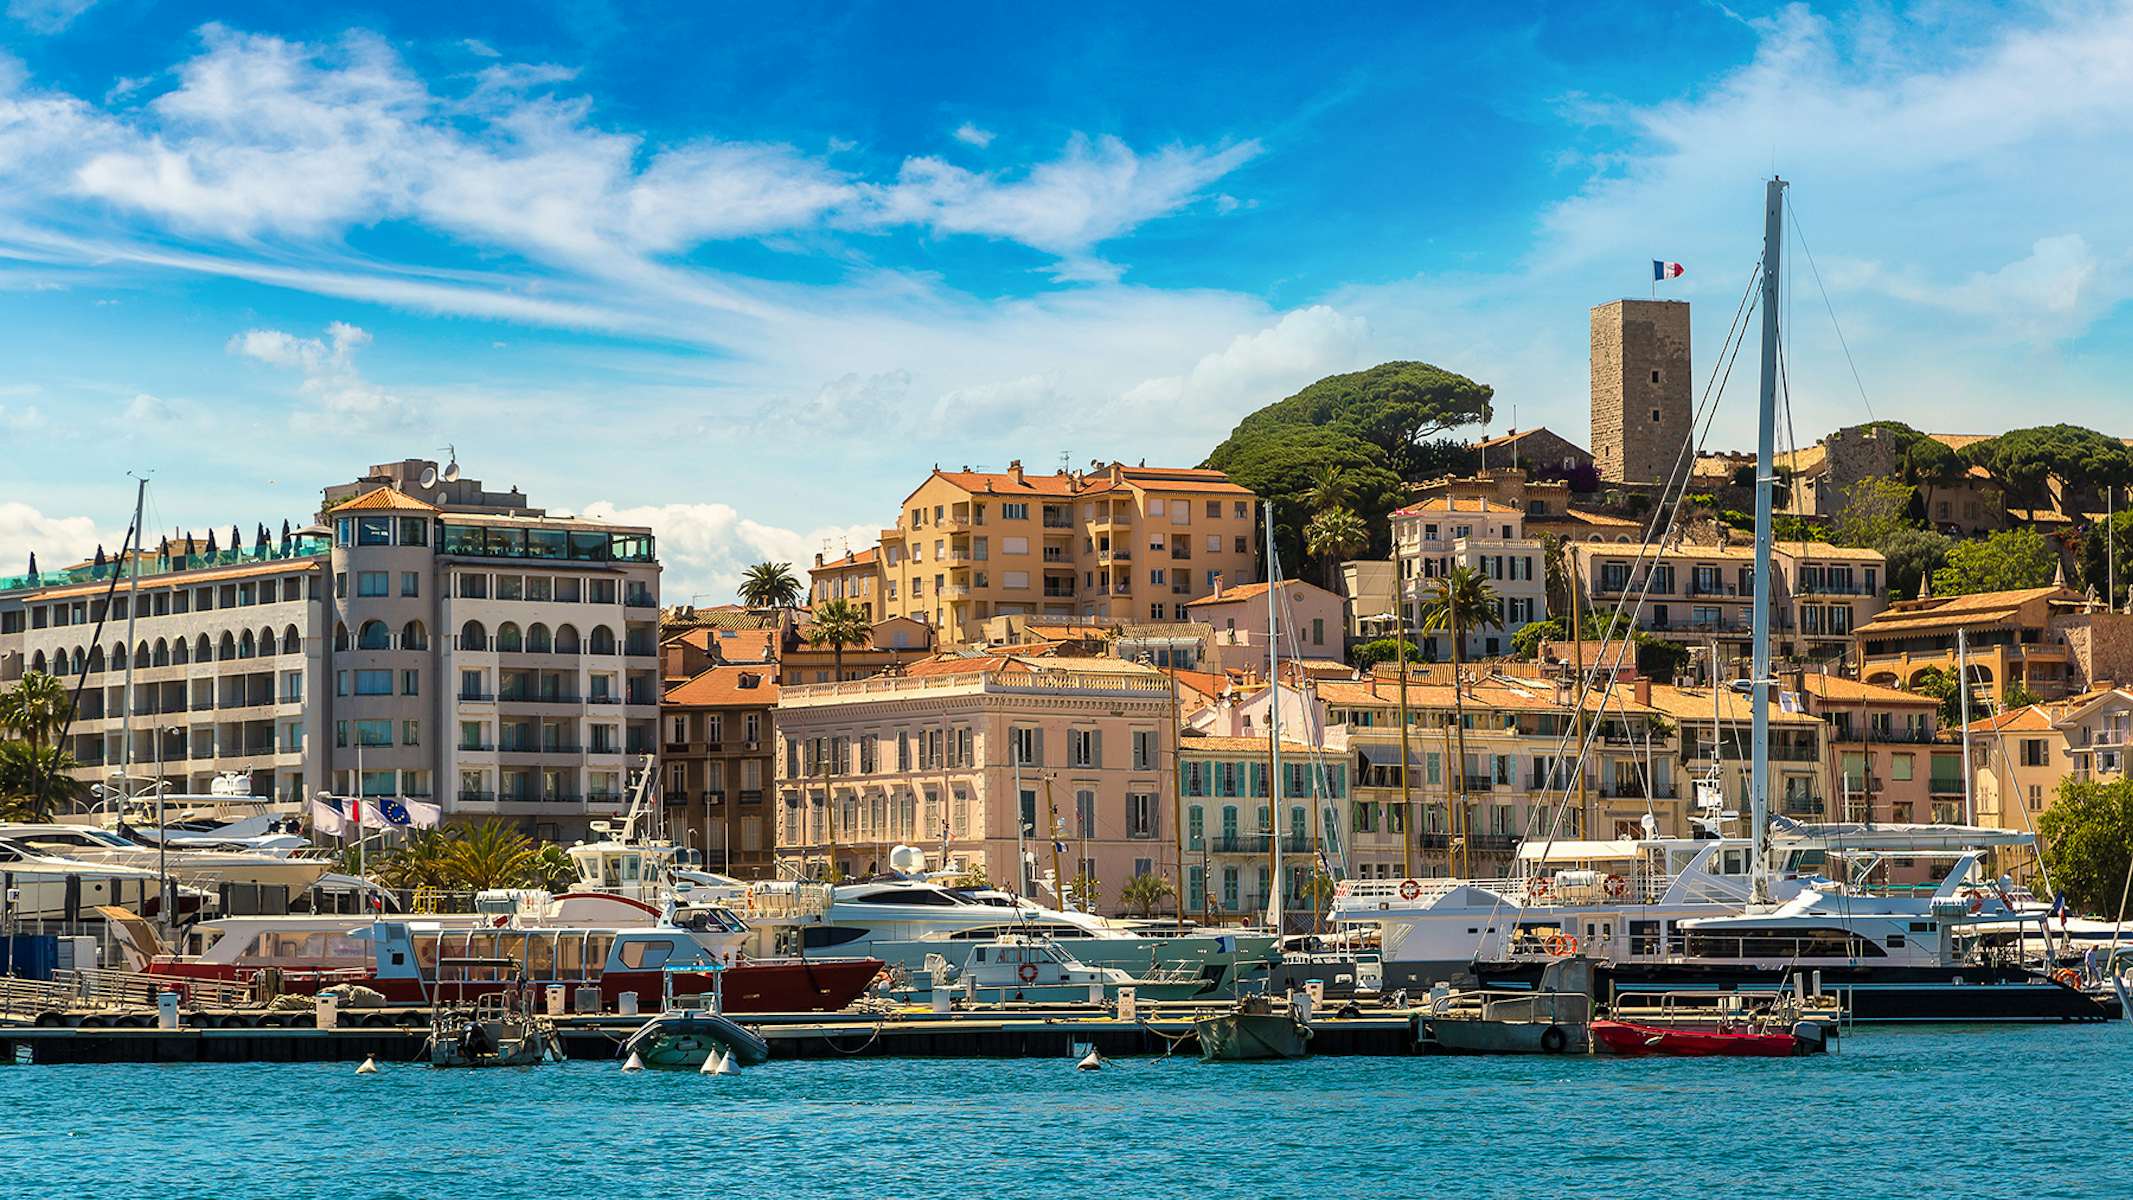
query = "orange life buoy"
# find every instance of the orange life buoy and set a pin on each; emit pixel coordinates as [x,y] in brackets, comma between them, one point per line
[1028,972]
[2067,977]
[1410,889]
[1562,945]
[1617,887]
[1537,887]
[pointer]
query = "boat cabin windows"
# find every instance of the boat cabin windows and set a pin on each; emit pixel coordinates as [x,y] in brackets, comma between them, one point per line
[1645,937]
[1781,942]
[932,896]
[822,937]
[307,950]
[646,954]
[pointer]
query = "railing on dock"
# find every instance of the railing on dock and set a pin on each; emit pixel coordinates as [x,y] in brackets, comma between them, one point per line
[105,989]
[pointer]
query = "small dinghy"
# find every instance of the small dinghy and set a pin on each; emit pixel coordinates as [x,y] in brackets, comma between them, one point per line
[1258,1028]
[1631,1040]
[684,1039]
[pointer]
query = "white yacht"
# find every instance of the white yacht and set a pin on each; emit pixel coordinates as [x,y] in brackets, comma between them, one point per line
[198,868]
[41,885]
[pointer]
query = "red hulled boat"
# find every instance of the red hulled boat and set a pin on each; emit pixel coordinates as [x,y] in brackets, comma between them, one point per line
[1631,1040]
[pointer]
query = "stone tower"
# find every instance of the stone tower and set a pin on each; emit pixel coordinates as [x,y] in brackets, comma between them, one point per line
[1640,388]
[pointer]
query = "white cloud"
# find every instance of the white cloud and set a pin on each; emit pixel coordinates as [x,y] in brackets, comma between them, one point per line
[1255,369]
[336,396]
[479,48]
[47,16]
[56,541]
[148,409]
[970,134]
[704,548]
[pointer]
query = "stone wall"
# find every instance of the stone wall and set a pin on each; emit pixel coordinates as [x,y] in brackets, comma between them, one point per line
[1641,388]
[2099,646]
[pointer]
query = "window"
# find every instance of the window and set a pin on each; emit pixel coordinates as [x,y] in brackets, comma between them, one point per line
[374,583]
[1214,543]
[410,683]
[1140,815]
[374,733]
[410,733]
[374,531]
[410,583]
[1900,766]
[1014,511]
[373,683]
[414,531]
[473,587]
[2034,752]
[1214,508]
[1025,743]
[1084,748]
[1144,748]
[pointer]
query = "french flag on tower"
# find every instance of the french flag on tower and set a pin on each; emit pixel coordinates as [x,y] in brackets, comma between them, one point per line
[1666,270]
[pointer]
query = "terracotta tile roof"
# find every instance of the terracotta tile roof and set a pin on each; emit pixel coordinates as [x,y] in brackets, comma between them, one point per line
[853,559]
[1512,438]
[1001,483]
[2028,718]
[1484,695]
[382,498]
[1974,609]
[725,685]
[1246,591]
[1590,517]
[1211,744]
[1472,504]
[1207,683]
[1694,704]
[1836,687]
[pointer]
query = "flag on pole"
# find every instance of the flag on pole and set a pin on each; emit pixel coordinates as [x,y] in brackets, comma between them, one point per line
[1666,270]
[327,819]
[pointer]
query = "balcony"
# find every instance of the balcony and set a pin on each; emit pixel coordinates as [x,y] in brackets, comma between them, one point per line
[514,696]
[677,797]
[1060,593]
[1256,843]
[1947,786]
[476,796]
[466,695]
[603,699]
[476,747]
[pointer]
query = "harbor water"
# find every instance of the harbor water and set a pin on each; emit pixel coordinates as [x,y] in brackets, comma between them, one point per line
[2033,1111]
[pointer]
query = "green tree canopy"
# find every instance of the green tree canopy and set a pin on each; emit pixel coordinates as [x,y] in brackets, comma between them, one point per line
[771,585]
[2096,557]
[2088,836]
[2008,560]
[1282,464]
[1393,406]
[1876,509]
[1912,554]
[1381,650]
[2022,458]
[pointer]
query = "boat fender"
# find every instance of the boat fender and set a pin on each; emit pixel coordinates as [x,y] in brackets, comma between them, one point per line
[1554,1040]
[633,1063]
[728,1064]
[1027,972]
[1091,1061]
[710,1066]
[369,1065]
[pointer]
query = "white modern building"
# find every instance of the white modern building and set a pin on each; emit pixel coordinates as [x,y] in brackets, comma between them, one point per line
[1434,536]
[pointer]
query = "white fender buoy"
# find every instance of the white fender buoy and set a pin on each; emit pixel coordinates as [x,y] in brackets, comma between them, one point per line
[634,1063]
[369,1065]
[1091,1062]
[726,1066]
[711,1063]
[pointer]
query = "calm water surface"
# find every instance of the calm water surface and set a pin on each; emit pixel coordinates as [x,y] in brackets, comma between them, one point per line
[1954,1112]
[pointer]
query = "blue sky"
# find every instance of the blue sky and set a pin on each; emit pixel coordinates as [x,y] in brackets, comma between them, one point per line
[747,271]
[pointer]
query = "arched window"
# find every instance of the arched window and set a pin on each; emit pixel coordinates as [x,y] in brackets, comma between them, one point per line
[266,643]
[160,656]
[96,659]
[414,637]
[118,657]
[37,662]
[81,663]
[226,649]
[601,640]
[181,652]
[247,646]
[374,636]
[203,650]
[508,639]
[292,642]
[537,639]
[473,637]
[566,639]
[340,636]
[140,655]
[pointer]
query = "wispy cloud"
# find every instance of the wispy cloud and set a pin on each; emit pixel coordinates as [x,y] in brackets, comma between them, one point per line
[335,395]
[971,135]
[47,16]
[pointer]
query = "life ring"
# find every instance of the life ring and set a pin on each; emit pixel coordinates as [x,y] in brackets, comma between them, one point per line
[1027,972]
[2067,977]
[1617,887]
[1410,889]
[1562,945]
[1554,1040]
[1537,887]
[1977,904]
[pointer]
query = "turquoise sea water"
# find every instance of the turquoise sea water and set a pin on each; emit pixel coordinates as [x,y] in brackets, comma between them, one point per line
[1954,1112]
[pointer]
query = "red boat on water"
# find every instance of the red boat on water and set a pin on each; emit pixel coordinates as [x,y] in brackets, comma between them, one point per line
[1631,1040]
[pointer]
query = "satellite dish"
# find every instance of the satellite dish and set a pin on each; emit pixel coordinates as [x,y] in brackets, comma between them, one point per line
[443,496]
[451,472]
[429,477]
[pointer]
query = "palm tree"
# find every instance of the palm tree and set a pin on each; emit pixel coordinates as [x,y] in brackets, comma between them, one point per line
[1331,487]
[33,778]
[35,708]
[1334,535]
[424,860]
[770,585]
[1143,892]
[489,855]
[838,624]
[1461,600]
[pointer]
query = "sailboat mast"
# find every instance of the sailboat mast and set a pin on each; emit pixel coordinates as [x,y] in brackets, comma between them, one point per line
[1962,692]
[1273,727]
[1759,680]
[133,611]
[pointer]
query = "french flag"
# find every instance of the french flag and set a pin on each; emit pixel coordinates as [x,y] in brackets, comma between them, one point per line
[1666,270]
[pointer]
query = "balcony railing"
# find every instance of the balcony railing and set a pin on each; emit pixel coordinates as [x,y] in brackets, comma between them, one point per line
[1256,843]
[1947,786]
[466,695]
[475,796]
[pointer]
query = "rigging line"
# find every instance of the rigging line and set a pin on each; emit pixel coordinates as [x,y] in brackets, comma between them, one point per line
[1792,437]
[1793,211]
[1677,483]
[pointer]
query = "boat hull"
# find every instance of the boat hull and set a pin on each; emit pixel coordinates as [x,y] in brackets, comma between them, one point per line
[682,1040]
[1872,994]
[1252,1037]
[1508,1037]
[1625,1039]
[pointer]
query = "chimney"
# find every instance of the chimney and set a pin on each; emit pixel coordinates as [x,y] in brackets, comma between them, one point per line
[818,558]
[1642,690]
[1014,471]
[1217,595]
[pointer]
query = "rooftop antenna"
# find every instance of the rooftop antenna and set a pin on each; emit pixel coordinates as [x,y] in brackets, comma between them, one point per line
[1066,459]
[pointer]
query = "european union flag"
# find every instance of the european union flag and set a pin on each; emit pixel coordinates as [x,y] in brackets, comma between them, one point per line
[393,812]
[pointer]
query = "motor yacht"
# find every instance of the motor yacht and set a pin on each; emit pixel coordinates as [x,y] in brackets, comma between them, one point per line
[201,868]
[37,884]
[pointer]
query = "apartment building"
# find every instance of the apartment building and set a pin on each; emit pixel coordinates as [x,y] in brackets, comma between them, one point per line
[1699,594]
[1229,821]
[1118,542]
[977,758]
[1716,742]
[717,733]
[1883,761]
[852,577]
[2051,640]
[2018,758]
[1434,536]
[1517,777]
[1308,618]
[495,658]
